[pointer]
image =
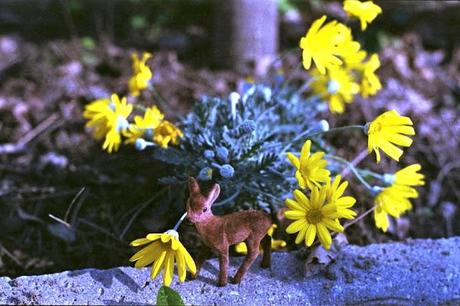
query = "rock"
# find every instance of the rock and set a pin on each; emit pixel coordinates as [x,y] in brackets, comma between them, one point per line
[412,272]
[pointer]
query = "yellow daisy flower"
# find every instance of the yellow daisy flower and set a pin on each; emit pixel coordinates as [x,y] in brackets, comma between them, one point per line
[393,201]
[141,74]
[409,176]
[334,195]
[167,133]
[162,251]
[370,83]
[117,122]
[144,125]
[107,119]
[311,168]
[277,244]
[312,217]
[366,11]
[337,87]
[97,113]
[386,131]
[325,44]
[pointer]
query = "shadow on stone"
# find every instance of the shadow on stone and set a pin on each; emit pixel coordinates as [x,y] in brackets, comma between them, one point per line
[207,280]
[210,268]
[106,279]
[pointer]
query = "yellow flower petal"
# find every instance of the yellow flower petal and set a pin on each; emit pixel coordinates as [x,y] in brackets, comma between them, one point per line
[168,272]
[139,242]
[294,205]
[333,225]
[296,226]
[188,259]
[181,266]
[294,214]
[324,236]
[310,235]
[152,252]
[158,264]
[302,199]
[294,160]
[301,235]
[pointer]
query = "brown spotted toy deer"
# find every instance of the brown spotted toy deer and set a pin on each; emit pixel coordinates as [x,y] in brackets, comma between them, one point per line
[220,232]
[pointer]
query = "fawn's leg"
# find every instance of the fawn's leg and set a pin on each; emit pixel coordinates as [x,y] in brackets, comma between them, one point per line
[223,267]
[266,246]
[253,251]
[200,259]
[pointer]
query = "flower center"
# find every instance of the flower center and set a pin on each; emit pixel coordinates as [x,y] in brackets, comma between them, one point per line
[305,170]
[375,127]
[314,216]
[122,123]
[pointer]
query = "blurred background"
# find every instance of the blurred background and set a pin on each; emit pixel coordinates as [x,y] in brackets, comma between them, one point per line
[58,55]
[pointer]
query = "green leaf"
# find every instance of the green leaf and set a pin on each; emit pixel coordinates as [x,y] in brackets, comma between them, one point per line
[167,296]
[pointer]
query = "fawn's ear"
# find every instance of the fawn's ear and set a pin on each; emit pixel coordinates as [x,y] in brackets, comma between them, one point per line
[193,186]
[213,194]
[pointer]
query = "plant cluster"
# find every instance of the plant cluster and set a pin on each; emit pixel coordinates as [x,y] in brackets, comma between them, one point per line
[267,142]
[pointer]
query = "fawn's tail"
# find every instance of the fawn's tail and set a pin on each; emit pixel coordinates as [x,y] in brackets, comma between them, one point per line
[266,247]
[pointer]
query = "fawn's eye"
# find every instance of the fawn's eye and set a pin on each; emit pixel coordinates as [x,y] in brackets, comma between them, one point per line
[205,209]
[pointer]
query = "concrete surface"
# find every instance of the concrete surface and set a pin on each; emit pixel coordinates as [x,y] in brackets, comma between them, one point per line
[416,272]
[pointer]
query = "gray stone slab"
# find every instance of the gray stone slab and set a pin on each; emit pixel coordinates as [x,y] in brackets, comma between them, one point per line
[420,272]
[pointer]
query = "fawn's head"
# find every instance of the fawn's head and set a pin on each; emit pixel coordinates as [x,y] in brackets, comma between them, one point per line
[199,204]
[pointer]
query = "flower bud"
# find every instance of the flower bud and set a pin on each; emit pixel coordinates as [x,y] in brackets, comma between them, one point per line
[208,154]
[324,125]
[140,144]
[222,154]
[389,178]
[226,171]
[205,174]
[376,189]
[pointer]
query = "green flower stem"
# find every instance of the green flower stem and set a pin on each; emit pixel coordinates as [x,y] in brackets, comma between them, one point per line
[180,221]
[336,129]
[353,169]
[370,173]
[306,134]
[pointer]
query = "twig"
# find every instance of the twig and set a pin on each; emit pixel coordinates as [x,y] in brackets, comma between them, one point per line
[5,250]
[345,226]
[11,148]
[359,158]
[77,196]
[66,216]
[142,207]
[102,230]
[57,219]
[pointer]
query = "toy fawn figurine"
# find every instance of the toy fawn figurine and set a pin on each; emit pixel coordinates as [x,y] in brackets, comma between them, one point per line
[219,232]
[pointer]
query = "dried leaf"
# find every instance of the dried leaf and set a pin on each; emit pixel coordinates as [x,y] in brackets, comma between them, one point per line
[319,258]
